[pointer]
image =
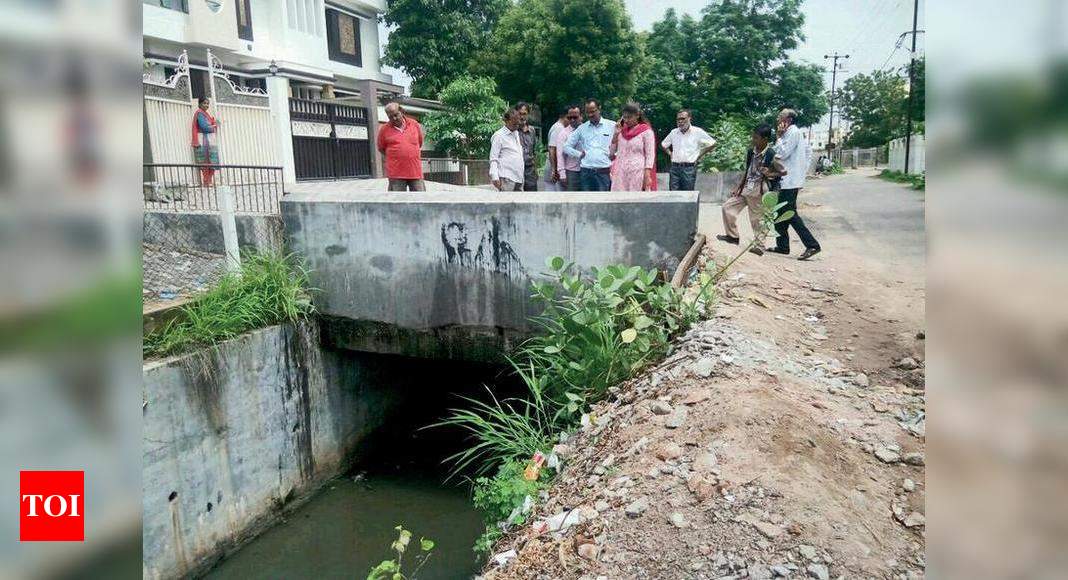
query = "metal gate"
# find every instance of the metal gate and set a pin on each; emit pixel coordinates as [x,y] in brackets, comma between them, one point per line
[330,140]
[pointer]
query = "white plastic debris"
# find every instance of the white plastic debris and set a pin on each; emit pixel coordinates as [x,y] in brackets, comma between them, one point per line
[521,510]
[564,520]
[503,558]
[553,462]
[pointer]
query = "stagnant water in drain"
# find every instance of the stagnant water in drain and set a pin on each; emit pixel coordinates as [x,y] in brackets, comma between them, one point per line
[347,527]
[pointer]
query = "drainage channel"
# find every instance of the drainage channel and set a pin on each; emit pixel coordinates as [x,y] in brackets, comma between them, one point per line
[347,527]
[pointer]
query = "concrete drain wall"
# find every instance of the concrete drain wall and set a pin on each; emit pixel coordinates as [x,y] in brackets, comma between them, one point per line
[447,274]
[233,434]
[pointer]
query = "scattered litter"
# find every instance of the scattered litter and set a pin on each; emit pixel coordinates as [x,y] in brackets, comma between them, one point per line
[503,558]
[756,300]
[534,467]
[565,520]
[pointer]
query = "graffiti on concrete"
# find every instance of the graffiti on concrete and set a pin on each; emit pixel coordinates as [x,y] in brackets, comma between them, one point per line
[493,252]
[454,240]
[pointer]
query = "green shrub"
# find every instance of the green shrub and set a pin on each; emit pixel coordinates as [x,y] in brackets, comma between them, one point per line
[732,140]
[484,543]
[500,495]
[596,332]
[269,289]
[916,180]
[392,569]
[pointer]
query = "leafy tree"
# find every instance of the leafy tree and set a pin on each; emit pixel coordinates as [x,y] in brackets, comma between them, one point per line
[875,106]
[473,113]
[725,64]
[667,80]
[431,41]
[739,41]
[553,52]
[800,87]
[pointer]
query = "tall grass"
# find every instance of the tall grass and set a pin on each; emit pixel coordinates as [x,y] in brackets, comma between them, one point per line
[502,429]
[594,333]
[269,289]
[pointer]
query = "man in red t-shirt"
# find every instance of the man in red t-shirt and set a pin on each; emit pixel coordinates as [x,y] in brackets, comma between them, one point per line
[400,142]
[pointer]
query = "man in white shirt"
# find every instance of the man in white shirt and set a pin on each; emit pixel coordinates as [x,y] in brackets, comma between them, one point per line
[551,178]
[686,145]
[506,155]
[567,166]
[792,150]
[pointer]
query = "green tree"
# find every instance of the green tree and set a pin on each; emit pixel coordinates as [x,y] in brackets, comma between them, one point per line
[553,52]
[739,42]
[667,80]
[431,41]
[875,106]
[729,63]
[473,113]
[800,87]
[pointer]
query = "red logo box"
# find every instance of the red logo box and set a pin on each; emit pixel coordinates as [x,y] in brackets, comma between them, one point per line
[51,506]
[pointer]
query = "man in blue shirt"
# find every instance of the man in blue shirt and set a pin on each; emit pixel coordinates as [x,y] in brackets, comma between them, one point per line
[590,143]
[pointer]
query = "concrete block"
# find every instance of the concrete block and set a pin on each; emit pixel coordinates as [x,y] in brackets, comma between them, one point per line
[232,435]
[447,274]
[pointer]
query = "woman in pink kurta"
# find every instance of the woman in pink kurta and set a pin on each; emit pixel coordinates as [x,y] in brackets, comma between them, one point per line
[634,152]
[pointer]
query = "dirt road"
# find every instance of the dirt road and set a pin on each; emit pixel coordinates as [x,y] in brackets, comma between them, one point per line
[783,437]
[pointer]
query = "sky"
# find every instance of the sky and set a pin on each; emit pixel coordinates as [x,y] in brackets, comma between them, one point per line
[867,30]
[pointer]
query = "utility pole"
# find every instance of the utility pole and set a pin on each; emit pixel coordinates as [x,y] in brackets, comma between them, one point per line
[912,77]
[834,77]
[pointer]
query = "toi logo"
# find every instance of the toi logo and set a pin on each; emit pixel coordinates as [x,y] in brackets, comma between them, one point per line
[51,506]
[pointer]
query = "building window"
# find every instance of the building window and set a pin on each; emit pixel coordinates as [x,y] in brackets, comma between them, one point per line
[244,19]
[198,80]
[180,5]
[343,37]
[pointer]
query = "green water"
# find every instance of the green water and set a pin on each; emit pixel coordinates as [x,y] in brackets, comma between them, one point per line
[347,528]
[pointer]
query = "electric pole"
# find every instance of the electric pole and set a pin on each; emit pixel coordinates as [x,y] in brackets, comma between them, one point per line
[912,77]
[834,77]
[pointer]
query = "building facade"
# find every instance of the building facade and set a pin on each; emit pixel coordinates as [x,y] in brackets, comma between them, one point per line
[314,64]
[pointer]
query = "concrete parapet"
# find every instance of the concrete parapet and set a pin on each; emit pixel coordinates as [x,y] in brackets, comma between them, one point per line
[447,274]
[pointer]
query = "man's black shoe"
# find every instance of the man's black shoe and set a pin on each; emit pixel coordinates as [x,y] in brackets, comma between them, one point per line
[728,239]
[808,253]
[756,251]
[775,250]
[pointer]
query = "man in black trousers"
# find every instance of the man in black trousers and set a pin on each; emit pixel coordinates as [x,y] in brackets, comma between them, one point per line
[792,150]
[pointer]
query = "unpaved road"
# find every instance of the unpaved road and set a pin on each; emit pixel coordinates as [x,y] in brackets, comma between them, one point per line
[874,245]
[783,437]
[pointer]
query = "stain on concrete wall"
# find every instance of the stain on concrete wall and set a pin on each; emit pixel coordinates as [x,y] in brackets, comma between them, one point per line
[231,435]
[466,260]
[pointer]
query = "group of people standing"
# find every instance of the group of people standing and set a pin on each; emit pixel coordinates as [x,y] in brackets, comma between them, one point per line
[595,154]
[598,154]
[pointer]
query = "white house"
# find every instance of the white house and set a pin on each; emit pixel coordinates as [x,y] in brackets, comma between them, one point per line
[316,60]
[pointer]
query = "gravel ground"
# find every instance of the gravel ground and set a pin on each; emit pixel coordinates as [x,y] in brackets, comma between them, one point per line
[783,438]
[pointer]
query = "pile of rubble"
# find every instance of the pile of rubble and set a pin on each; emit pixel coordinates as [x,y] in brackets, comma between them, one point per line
[734,459]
